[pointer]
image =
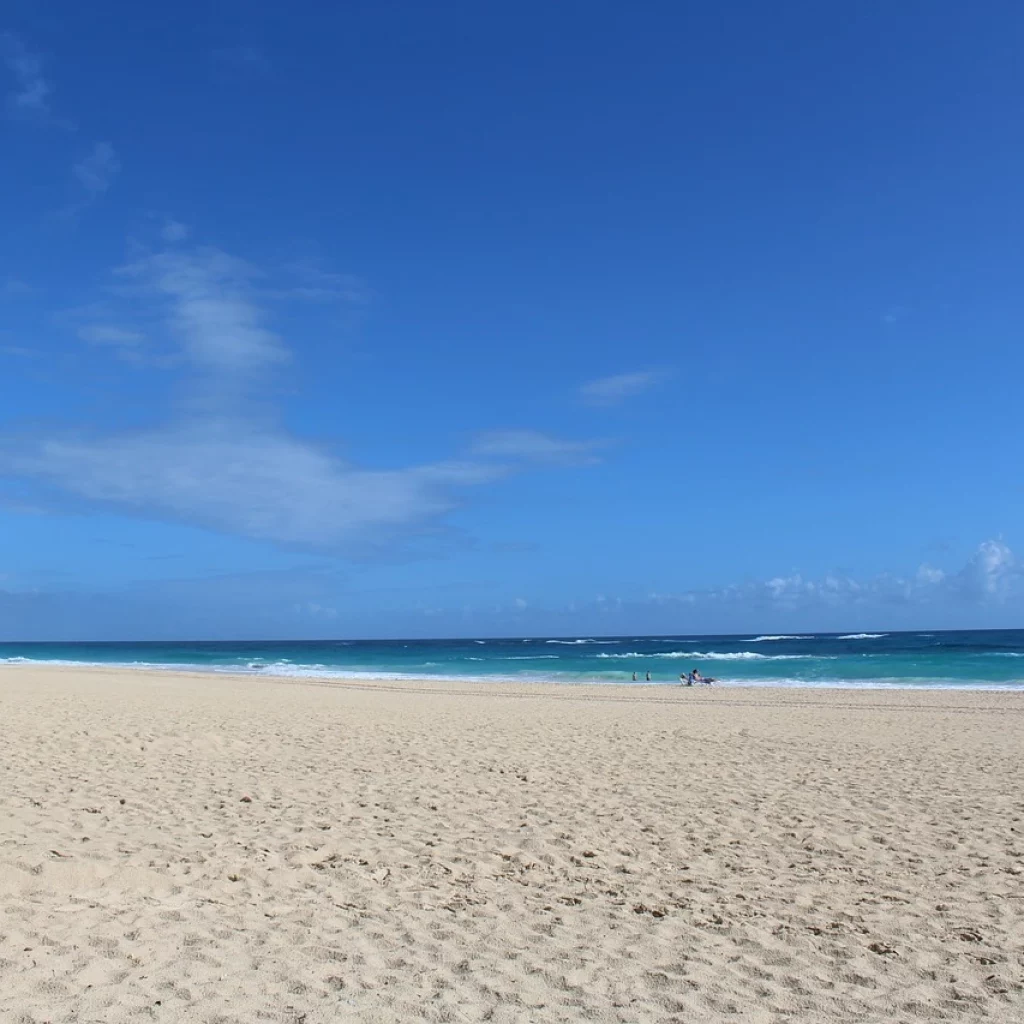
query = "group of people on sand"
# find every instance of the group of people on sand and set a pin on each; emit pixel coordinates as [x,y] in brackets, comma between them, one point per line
[694,678]
[691,678]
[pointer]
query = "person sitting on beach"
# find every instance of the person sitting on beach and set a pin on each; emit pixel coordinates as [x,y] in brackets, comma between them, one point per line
[686,679]
[696,677]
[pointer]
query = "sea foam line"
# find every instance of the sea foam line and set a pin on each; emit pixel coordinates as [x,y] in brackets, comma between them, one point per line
[721,656]
[575,643]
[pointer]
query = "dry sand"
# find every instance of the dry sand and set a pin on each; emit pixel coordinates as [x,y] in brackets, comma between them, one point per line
[183,848]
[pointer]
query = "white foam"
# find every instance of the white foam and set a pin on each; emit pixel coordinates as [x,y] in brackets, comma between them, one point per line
[882,683]
[862,636]
[783,636]
[17,660]
[574,643]
[720,656]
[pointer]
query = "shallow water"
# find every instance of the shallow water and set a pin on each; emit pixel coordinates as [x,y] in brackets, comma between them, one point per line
[963,659]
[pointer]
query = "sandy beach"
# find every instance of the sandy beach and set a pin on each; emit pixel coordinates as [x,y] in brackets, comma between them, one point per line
[223,849]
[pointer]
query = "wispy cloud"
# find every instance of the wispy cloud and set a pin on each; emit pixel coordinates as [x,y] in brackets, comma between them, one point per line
[309,281]
[608,391]
[17,352]
[216,464]
[533,446]
[231,476]
[111,334]
[316,610]
[15,288]
[209,301]
[174,231]
[97,170]
[31,92]
[216,308]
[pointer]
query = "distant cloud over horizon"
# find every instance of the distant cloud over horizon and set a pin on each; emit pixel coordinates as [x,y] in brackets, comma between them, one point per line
[990,582]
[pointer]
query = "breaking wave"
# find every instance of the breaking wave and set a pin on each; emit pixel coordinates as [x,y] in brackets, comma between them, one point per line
[720,656]
[574,643]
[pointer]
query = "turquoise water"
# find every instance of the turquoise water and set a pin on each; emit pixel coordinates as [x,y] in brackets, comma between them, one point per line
[968,659]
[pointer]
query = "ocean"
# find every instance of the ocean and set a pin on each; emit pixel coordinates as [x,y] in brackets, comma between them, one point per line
[967,659]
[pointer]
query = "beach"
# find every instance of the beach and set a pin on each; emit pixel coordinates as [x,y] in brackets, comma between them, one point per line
[179,846]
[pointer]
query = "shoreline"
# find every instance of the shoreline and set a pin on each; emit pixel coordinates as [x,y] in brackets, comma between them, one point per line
[343,676]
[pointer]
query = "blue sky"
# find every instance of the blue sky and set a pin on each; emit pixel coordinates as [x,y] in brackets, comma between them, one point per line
[406,319]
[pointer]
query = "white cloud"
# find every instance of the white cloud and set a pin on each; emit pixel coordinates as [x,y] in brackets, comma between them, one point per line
[310,282]
[993,571]
[31,89]
[531,445]
[216,465]
[97,171]
[614,390]
[110,334]
[229,476]
[782,587]
[174,231]
[17,352]
[315,610]
[15,288]
[210,304]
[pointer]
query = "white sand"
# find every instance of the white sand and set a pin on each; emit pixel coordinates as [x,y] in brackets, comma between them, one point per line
[467,853]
